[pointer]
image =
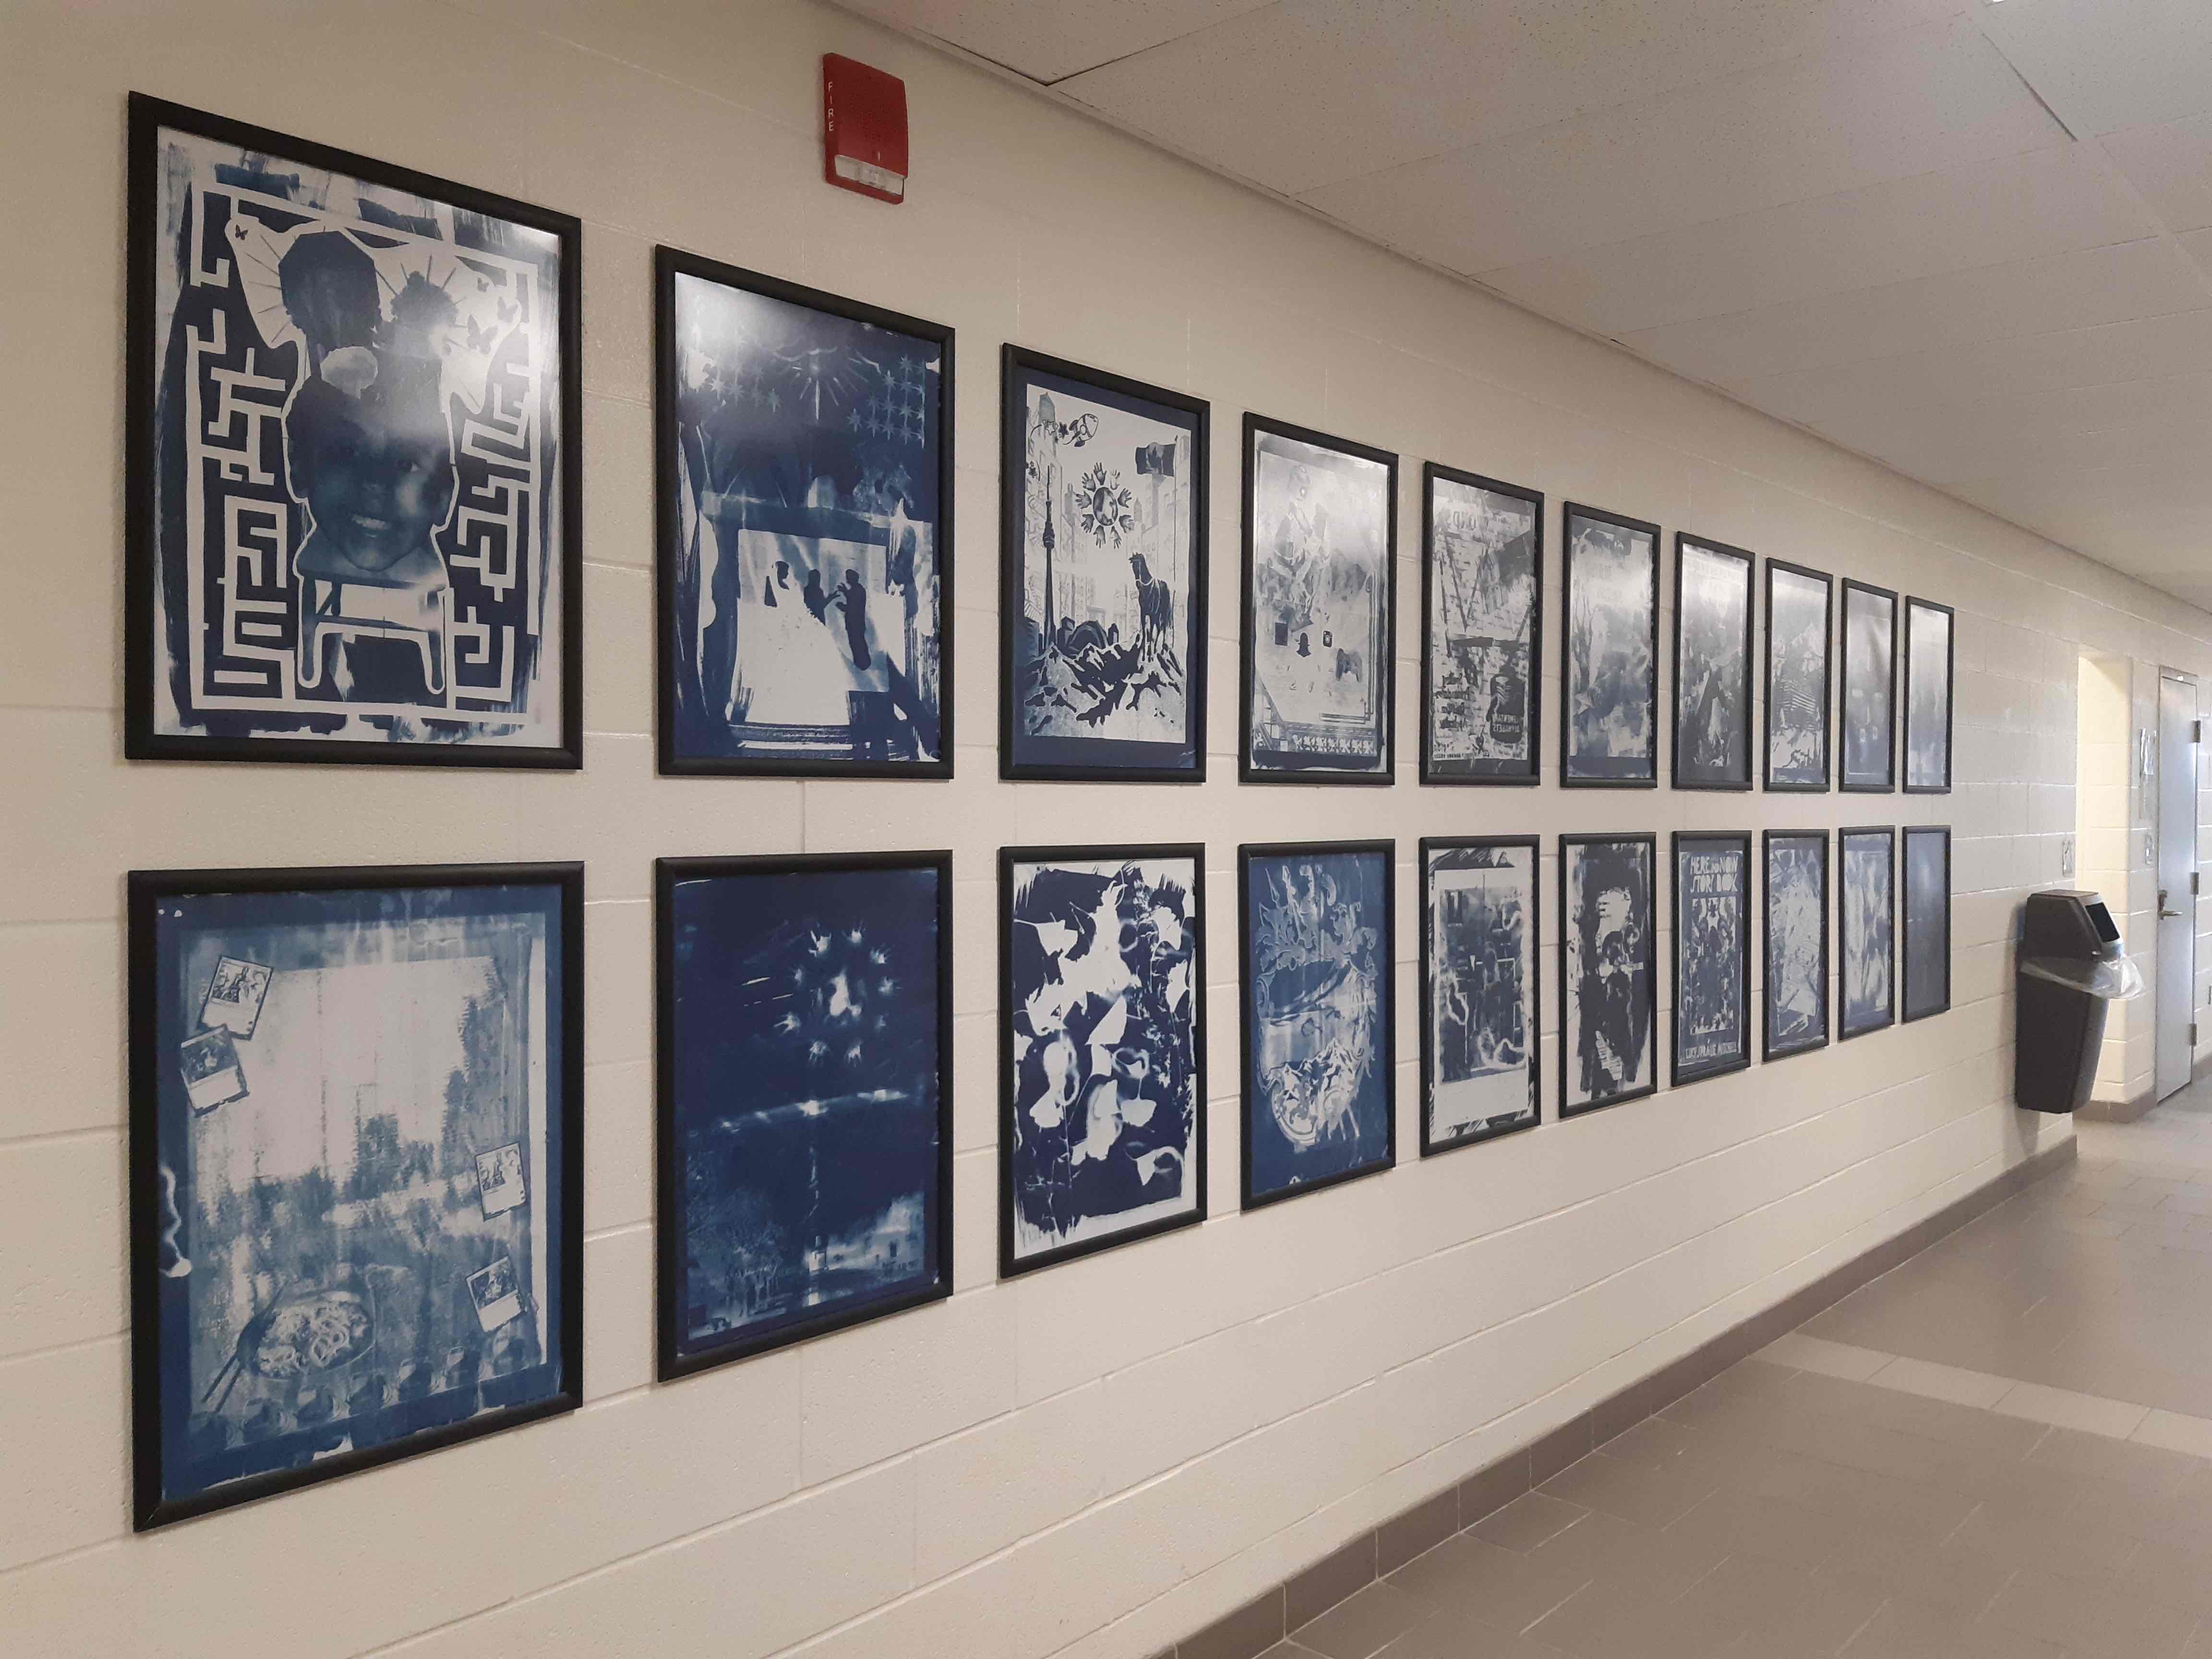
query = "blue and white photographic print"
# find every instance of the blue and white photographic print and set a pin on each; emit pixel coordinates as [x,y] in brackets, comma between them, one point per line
[1713,955]
[1712,664]
[806,1098]
[1927,983]
[1798,603]
[352,512]
[1103,1138]
[1867,903]
[1926,698]
[1318,1026]
[1869,705]
[1102,540]
[1482,624]
[355,1199]
[1608,970]
[1609,667]
[1797,1011]
[1480,996]
[1321,531]
[804,487]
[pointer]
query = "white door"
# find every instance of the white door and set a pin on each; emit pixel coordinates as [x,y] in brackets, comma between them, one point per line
[2176,879]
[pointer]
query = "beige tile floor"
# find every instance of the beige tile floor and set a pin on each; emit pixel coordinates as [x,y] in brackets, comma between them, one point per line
[2003,1448]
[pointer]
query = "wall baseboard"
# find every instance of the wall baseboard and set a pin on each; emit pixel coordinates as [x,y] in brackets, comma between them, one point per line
[1267,1620]
[2118,1111]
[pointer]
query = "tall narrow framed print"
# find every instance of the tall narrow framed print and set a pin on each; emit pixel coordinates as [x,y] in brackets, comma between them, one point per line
[1927,977]
[803,485]
[1927,658]
[1713,955]
[1866,899]
[804,1078]
[1869,718]
[1482,628]
[1321,536]
[1480,994]
[1102,564]
[1798,628]
[1796,1000]
[1102,1047]
[1712,664]
[353,492]
[1609,652]
[357,1162]
[1319,1019]
[1608,970]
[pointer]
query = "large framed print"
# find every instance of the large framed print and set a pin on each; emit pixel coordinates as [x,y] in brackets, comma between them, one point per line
[353,495]
[804,488]
[1712,664]
[1927,976]
[1482,628]
[1102,1047]
[1928,650]
[1799,602]
[1319,1028]
[805,1100]
[1866,901]
[1869,704]
[1713,955]
[1796,999]
[1480,1003]
[356,1164]
[1608,970]
[1103,548]
[1321,536]
[1609,652]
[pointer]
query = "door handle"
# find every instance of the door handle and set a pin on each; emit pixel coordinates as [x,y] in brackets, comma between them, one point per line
[2165,914]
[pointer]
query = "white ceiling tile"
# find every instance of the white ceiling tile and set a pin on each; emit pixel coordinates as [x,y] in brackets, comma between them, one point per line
[2172,165]
[2045,201]
[1049,39]
[2176,404]
[2104,64]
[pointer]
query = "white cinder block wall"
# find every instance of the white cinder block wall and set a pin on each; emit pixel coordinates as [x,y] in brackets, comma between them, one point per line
[1108,1454]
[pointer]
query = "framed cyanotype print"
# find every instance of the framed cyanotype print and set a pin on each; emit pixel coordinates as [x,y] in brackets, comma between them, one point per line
[805,1096]
[1713,955]
[1796,989]
[1102,1047]
[803,496]
[1866,900]
[356,1161]
[1482,628]
[1320,536]
[1318,1016]
[353,491]
[1869,705]
[1928,656]
[1609,652]
[1712,664]
[1798,603]
[1608,970]
[1927,978]
[1102,569]
[1480,1004]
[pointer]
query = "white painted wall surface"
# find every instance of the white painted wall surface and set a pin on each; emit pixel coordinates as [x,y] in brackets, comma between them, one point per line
[1106,1456]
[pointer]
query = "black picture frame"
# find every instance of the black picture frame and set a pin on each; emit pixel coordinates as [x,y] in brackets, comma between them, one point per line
[1886,681]
[1019,366]
[1570,1003]
[1846,1029]
[1010,858]
[1572,675]
[150,478]
[1685,776]
[1926,1008]
[673,655]
[1435,770]
[1771,1047]
[1681,1072]
[673,1361]
[159,1326]
[1489,1128]
[1776,781]
[1915,610]
[1254,764]
[1248,855]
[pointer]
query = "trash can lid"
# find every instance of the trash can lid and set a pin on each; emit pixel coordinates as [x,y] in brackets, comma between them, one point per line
[2115,979]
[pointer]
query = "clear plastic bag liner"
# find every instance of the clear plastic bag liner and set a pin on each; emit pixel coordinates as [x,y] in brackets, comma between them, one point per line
[2114,978]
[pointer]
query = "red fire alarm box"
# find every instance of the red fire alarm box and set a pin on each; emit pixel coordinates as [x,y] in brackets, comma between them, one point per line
[863,129]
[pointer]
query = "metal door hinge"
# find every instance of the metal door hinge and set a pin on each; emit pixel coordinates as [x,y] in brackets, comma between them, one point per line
[2197,731]
[2192,883]
[2192,1033]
